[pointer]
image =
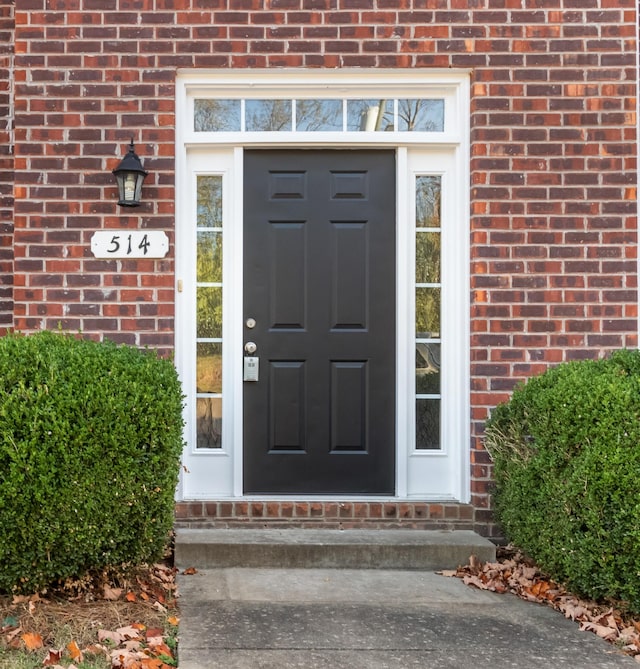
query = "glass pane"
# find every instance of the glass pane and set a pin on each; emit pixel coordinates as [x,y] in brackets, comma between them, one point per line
[370,115]
[428,369]
[428,191]
[217,115]
[421,115]
[428,424]
[209,257]
[209,199]
[209,368]
[428,257]
[318,115]
[428,313]
[209,313]
[209,422]
[267,115]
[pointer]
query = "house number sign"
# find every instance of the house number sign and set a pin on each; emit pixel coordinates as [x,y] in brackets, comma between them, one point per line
[129,244]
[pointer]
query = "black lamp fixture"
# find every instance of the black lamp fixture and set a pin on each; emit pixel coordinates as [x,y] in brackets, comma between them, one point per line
[129,176]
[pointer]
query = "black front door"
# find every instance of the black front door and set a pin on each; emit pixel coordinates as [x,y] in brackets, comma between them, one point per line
[319,303]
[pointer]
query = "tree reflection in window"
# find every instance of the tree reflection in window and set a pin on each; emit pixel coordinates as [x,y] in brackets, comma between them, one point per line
[268,115]
[421,115]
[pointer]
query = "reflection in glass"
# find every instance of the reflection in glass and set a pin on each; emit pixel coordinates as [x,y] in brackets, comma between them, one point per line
[427,257]
[428,313]
[428,424]
[209,313]
[217,115]
[369,115]
[428,369]
[208,368]
[318,115]
[421,115]
[209,201]
[209,257]
[209,422]
[267,115]
[428,192]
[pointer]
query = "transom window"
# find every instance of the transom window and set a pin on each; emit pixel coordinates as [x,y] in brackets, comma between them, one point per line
[319,115]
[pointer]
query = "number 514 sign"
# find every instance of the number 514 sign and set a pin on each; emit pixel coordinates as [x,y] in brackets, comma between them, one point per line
[129,244]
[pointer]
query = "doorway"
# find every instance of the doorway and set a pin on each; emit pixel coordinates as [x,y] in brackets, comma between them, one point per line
[319,321]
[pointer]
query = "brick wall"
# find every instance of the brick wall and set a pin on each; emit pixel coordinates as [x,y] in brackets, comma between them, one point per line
[553,157]
[6,165]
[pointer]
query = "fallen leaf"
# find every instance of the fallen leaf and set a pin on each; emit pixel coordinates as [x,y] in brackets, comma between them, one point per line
[190,571]
[13,634]
[32,640]
[107,635]
[74,651]
[601,630]
[159,607]
[111,594]
[96,649]
[153,632]
[130,596]
[172,620]
[52,658]
[161,648]
[131,631]
[152,663]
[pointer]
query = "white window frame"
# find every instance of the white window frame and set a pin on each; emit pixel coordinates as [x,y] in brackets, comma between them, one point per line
[445,153]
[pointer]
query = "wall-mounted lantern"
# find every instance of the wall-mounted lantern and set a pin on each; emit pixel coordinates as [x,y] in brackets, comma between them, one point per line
[129,176]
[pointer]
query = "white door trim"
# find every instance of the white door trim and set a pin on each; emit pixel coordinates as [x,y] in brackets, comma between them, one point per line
[218,474]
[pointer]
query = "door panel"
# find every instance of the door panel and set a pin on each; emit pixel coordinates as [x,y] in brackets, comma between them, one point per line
[319,281]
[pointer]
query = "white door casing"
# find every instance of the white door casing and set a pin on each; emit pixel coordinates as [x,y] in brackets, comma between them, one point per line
[216,473]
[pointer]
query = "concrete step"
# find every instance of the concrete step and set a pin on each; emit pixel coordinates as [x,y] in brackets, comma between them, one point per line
[346,549]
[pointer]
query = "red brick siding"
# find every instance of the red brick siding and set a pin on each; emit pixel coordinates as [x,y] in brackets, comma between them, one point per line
[6,165]
[328,515]
[553,225]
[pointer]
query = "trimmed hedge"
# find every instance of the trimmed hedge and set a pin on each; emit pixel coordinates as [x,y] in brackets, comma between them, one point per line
[90,442]
[566,452]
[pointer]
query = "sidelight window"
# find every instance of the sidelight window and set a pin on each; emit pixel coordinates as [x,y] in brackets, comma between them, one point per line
[208,315]
[428,290]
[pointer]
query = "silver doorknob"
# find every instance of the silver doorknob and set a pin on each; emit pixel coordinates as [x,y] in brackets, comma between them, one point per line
[250,348]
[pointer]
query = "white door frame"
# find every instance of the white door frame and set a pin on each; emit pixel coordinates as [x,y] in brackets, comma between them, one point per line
[437,475]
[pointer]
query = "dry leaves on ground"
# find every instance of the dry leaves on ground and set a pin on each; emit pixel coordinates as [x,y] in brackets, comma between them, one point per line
[132,625]
[514,573]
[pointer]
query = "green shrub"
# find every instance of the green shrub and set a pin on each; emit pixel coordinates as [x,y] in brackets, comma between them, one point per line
[90,441]
[566,452]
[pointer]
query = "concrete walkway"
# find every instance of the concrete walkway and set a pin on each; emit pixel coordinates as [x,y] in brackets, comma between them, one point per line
[242,618]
